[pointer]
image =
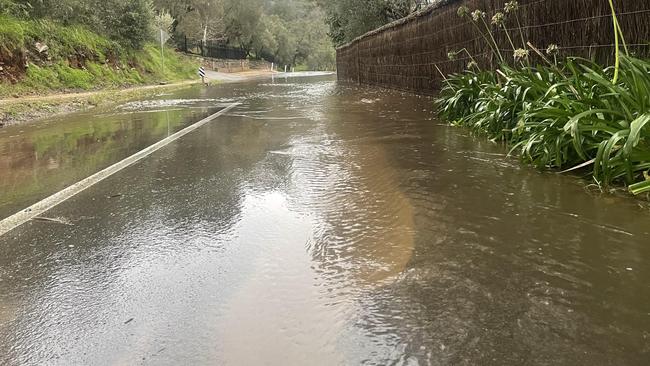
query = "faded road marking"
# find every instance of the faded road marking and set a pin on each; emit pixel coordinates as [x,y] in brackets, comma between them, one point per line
[37,209]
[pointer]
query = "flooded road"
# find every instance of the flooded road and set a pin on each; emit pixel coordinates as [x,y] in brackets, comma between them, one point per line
[41,158]
[314,224]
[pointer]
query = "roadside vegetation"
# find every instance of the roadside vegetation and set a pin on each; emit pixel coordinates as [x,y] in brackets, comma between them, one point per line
[62,45]
[570,114]
[81,45]
[349,19]
[286,32]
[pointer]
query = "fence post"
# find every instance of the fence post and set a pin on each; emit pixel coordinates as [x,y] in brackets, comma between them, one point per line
[358,66]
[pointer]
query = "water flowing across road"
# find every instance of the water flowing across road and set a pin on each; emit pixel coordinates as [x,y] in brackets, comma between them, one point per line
[315,224]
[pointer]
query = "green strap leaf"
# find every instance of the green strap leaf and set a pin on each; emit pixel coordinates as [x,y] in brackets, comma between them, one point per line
[635,133]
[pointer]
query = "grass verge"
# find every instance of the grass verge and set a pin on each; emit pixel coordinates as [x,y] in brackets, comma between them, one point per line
[41,56]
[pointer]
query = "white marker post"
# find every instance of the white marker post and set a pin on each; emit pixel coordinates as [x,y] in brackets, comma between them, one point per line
[202,74]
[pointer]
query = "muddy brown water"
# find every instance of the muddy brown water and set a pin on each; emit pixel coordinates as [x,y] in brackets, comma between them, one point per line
[315,224]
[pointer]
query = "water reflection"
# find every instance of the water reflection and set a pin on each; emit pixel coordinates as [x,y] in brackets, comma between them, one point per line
[41,158]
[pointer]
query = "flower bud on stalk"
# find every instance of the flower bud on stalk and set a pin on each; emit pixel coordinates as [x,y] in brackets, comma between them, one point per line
[463,11]
[511,7]
[478,15]
[521,54]
[498,19]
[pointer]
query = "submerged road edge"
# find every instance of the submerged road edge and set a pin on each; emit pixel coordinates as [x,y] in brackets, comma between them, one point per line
[19,218]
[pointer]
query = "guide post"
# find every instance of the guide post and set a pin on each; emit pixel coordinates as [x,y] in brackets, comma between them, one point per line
[202,74]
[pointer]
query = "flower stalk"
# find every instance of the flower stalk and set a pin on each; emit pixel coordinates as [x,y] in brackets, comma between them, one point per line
[618,37]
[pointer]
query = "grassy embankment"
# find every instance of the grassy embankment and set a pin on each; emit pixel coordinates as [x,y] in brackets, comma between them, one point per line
[77,59]
[570,115]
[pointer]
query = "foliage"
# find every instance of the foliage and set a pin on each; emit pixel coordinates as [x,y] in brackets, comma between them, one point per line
[196,19]
[575,115]
[164,21]
[295,33]
[348,19]
[571,116]
[242,22]
[11,7]
[287,32]
[127,22]
[62,41]
[104,63]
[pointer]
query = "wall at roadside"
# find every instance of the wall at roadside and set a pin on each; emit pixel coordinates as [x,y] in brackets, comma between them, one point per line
[232,66]
[410,54]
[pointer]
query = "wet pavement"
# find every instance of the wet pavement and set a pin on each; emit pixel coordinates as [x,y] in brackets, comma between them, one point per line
[315,224]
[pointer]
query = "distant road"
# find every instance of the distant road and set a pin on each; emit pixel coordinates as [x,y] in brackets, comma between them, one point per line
[257,74]
[211,76]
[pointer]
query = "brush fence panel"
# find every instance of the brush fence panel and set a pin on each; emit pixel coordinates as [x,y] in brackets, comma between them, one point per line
[412,53]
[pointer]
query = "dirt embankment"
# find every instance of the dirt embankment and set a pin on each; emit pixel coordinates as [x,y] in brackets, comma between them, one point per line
[12,64]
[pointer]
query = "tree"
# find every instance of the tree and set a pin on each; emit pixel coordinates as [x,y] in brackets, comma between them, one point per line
[242,22]
[164,21]
[288,32]
[196,19]
[127,21]
[349,19]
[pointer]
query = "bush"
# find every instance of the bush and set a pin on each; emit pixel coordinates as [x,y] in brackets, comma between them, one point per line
[128,22]
[572,116]
[103,62]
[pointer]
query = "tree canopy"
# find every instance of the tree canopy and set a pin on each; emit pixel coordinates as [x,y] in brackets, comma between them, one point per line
[349,19]
[288,32]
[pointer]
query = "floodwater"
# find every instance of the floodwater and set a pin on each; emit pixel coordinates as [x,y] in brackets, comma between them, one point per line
[315,224]
[42,158]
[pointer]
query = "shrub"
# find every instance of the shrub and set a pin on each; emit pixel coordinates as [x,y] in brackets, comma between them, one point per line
[571,116]
[578,115]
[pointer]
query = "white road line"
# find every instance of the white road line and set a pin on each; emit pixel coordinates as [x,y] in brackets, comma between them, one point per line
[36,209]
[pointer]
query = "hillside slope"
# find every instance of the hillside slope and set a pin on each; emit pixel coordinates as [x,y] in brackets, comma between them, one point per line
[41,56]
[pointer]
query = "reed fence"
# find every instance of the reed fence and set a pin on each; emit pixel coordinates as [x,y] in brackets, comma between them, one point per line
[411,54]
